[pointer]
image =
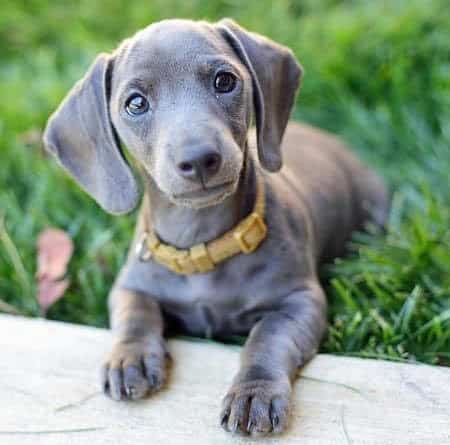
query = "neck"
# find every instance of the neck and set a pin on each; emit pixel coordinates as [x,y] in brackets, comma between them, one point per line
[184,227]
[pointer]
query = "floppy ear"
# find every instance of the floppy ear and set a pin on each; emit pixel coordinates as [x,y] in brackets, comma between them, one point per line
[81,136]
[275,75]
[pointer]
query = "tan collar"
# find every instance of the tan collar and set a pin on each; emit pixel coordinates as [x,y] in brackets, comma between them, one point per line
[203,257]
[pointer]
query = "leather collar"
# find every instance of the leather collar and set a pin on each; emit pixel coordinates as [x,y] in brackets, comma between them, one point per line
[245,238]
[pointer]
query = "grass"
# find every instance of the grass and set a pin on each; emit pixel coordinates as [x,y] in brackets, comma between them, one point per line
[377,73]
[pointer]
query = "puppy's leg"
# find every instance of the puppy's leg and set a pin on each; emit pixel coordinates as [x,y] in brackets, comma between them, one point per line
[283,341]
[137,362]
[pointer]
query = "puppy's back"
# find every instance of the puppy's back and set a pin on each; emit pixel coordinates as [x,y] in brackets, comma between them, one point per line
[342,191]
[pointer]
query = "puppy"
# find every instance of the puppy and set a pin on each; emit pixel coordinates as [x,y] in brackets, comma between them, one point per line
[222,246]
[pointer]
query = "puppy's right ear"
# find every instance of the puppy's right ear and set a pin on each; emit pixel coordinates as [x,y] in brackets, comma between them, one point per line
[81,136]
[275,76]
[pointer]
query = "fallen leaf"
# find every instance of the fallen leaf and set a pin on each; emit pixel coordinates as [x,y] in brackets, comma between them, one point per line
[55,248]
[50,291]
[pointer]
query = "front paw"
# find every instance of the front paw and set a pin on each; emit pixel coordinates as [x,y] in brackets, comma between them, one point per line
[135,369]
[256,407]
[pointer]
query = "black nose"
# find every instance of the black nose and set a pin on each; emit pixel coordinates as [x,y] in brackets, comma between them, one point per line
[199,164]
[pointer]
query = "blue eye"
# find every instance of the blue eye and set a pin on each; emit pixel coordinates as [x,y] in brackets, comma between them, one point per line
[136,105]
[225,82]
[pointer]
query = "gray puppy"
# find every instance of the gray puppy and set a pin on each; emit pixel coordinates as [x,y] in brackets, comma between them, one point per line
[222,247]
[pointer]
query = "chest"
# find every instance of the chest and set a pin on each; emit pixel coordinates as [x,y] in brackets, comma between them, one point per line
[226,301]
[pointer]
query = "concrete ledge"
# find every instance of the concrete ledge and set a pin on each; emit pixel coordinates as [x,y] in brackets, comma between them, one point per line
[49,395]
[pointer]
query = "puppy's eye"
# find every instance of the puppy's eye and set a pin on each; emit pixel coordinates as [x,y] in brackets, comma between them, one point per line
[225,82]
[136,105]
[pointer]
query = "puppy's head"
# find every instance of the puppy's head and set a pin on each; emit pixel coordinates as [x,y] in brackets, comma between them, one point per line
[181,96]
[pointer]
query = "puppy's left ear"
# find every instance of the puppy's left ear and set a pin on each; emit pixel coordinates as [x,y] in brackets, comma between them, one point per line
[275,76]
[81,136]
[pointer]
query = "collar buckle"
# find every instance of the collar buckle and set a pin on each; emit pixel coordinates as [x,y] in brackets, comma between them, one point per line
[250,233]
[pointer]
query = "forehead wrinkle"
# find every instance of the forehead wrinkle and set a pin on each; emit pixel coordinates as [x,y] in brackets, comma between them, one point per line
[174,44]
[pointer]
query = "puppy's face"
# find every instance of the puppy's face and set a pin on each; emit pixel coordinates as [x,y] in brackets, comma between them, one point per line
[181,101]
[181,96]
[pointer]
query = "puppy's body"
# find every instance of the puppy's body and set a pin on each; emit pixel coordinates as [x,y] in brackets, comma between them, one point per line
[182,96]
[321,195]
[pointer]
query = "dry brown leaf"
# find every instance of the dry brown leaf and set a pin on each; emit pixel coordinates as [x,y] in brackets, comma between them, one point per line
[50,291]
[55,248]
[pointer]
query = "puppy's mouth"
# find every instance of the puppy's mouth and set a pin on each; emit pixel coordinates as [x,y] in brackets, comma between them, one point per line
[205,191]
[206,196]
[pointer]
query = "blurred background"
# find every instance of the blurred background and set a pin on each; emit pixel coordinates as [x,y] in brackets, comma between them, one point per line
[377,73]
